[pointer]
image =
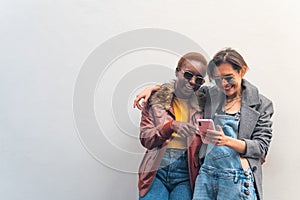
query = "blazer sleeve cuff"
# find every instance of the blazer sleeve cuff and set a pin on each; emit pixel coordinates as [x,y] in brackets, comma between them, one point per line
[167,130]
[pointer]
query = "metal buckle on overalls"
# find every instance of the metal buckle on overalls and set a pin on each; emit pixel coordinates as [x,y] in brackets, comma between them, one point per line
[237,116]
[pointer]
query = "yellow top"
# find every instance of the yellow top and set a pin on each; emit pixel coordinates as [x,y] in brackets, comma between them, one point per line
[181,111]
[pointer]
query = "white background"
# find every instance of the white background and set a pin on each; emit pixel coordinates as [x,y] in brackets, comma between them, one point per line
[43,44]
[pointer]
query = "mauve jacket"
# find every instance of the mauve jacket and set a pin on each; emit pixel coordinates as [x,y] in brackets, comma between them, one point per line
[156,132]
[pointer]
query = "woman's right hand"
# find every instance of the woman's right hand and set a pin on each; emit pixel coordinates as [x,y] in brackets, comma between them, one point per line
[184,129]
[145,95]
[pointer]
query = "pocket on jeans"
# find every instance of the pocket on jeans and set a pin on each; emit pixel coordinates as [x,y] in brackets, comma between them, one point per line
[218,153]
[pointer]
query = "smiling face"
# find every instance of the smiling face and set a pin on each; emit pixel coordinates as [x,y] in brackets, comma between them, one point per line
[227,68]
[188,78]
[228,79]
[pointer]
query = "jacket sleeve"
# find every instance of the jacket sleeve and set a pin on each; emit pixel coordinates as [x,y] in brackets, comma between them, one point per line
[155,126]
[258,145]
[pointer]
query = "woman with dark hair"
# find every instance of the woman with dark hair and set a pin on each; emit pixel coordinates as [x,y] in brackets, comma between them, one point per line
[168,131]
[232,165]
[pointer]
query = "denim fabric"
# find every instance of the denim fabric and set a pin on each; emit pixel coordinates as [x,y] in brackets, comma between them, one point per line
[221,176]
[215,184]
[222,156]
[172,180]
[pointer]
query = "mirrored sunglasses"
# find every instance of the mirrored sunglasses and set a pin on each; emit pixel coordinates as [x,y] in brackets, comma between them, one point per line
[228,79]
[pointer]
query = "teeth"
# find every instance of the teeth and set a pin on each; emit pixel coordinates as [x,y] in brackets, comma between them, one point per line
[189,86]
[228,88]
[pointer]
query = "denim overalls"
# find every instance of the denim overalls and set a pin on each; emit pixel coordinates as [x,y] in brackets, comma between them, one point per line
[221,176]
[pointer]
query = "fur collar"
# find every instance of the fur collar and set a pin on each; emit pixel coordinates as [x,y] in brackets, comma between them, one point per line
[165,95]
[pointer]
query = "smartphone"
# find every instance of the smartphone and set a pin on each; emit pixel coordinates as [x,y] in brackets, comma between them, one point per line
[205,124]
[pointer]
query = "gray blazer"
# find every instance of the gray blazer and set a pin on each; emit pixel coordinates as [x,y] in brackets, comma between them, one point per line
[255,126]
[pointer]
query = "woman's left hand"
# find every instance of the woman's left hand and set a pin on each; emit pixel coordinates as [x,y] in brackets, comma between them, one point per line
[217,137]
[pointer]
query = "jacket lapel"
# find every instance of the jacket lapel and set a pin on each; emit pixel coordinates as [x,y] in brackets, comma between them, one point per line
[215,98]
[249,116]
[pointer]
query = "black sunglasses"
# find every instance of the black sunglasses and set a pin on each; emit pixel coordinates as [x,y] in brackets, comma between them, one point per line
[229,79]
[189,75]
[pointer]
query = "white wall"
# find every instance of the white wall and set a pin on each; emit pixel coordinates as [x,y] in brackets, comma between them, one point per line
[44,46]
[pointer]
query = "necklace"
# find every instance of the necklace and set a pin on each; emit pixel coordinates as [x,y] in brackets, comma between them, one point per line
[233,99]
[231,103]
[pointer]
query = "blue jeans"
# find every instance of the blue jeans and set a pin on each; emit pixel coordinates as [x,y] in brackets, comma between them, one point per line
[213,184]
[172,180]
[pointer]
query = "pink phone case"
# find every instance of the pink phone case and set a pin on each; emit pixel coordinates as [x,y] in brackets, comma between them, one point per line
[205,124]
